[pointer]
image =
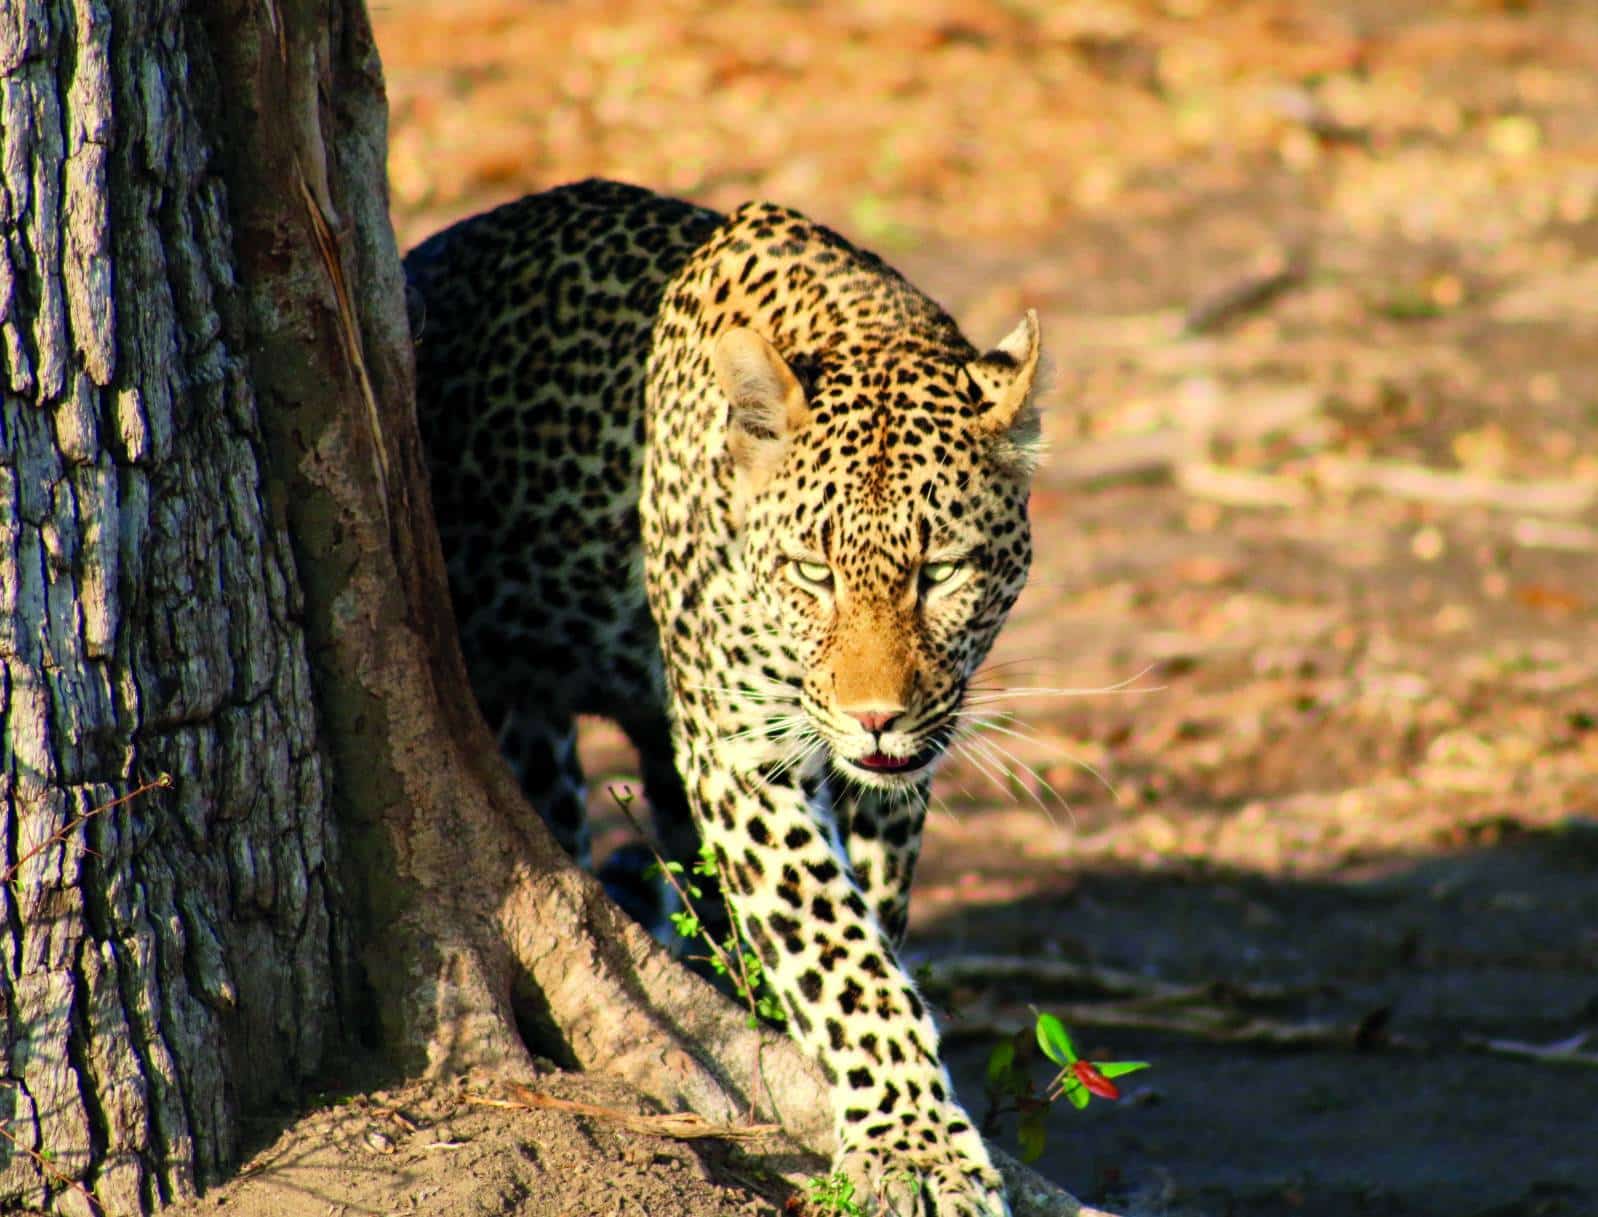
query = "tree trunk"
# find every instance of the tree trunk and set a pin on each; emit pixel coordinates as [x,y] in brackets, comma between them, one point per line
[217,561]
[181,956]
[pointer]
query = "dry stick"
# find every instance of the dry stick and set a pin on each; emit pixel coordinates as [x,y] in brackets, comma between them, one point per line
[680,1126]
[1251,292]
[1214,1010]
[1224,1026]
[1567,1052]
[1221,1025]
[162,782]
[1094,980]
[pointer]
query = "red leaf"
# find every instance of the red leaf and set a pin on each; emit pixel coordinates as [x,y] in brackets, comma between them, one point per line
[1088,1074]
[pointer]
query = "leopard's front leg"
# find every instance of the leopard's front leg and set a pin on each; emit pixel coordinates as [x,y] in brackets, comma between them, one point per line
[881,833]
[902,1136]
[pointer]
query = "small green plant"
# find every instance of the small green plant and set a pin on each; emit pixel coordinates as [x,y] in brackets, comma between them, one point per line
[1011,1088]
[732,957]
[834,1195]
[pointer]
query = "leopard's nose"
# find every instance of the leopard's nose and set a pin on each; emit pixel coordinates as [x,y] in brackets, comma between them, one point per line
[874,721]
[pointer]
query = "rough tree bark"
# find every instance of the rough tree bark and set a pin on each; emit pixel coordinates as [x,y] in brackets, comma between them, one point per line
[179,957]
[217,562]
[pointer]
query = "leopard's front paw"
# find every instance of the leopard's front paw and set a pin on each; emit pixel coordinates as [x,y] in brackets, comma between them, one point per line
[940,1183]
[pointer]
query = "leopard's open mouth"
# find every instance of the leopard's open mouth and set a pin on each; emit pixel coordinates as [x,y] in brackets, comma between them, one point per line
[882,763]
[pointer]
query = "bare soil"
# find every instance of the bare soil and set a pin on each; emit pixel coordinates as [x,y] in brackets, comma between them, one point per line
[471,1149]
[1317,563]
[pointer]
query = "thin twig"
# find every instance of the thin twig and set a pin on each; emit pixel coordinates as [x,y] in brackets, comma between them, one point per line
[1253,291]
[51,1169]
[161,782]
[1224,1026]
[1093,980]
[1218,1024]
[682,894]
[680,1126]
[745,986]
[1565,1052]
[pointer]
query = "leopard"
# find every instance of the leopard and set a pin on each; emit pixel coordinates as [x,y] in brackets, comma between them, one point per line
[735,484]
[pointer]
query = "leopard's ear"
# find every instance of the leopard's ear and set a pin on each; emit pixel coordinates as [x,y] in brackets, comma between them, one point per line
[765,402]
[1008,377]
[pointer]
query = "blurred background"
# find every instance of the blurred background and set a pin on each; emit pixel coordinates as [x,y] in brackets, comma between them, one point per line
[1302,800]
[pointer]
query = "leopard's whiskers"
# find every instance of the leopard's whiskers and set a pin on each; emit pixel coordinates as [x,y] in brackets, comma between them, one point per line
[1007,763]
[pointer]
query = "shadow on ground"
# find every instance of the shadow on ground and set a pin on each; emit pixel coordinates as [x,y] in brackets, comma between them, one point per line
[1430,957]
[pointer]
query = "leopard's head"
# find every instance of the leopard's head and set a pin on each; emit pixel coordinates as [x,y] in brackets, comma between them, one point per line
[882,496]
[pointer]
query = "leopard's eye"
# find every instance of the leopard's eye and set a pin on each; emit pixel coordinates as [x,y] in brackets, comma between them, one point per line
[935,573]
[813,574]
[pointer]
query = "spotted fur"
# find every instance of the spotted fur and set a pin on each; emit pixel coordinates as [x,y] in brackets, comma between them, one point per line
[737,485]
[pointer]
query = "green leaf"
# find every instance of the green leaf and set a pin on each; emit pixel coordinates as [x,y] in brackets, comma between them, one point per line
[1055,1040]
[1076,1093]
[772,1009]
[1032,1136]
[1115,1069]
[835,1194]
[1000,1062]
[685,924]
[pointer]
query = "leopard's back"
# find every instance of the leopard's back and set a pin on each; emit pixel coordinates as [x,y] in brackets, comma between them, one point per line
[532,325]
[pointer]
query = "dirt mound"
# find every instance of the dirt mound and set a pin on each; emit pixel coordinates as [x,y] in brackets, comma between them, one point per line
[467,1150]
